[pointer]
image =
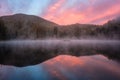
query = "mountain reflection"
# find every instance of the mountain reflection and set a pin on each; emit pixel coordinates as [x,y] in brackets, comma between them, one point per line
[64,67]
[25,53]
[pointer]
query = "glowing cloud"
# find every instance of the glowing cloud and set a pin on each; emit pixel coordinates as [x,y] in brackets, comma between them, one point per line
[64,11]
[87,11]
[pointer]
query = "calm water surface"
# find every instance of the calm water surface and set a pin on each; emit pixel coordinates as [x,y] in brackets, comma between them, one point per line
[64,67]
[70,60]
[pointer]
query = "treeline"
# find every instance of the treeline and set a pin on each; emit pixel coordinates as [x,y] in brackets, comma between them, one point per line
[110,30]
[32,27]
[25,27]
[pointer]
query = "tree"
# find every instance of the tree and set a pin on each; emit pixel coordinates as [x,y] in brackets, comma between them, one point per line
[2,31]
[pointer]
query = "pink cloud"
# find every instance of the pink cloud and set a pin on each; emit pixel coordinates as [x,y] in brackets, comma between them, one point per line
[97,12]
[70,11]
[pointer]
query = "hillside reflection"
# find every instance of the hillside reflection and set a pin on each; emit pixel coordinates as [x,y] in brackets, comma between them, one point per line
[25,53]
[64,67]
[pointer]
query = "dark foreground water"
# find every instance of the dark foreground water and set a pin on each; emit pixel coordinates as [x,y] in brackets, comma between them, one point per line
[65,67]
[60,60]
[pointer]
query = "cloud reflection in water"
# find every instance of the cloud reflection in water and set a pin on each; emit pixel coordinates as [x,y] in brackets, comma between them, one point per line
[65,67]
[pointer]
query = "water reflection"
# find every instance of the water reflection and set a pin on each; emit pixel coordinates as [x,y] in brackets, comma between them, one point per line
[24,53]
[64,67]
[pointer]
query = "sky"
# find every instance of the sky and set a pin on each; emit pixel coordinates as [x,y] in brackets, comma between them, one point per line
[64,11]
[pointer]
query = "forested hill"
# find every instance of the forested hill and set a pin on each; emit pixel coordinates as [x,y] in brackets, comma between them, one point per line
[21,26]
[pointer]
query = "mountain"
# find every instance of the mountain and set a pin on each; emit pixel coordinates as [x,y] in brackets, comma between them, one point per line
[21,26]
[110,30]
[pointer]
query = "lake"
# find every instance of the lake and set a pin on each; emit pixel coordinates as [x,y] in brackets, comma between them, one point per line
[60,60]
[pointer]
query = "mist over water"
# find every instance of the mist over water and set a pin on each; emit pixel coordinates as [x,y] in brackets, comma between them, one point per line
[64,45]
[58,42]
[58,59]
[31,52]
